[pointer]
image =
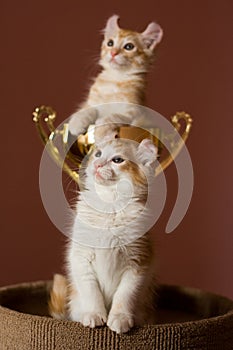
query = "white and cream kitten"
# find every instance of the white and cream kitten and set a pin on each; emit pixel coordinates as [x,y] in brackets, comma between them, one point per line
[110,258]
[125,59]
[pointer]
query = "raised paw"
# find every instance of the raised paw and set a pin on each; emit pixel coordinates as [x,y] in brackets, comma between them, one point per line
[120,323]
[92,319]
[75,127]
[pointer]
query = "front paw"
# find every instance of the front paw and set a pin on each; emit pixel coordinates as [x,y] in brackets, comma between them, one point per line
[93,319]
[120,323]
[76,125]
[75,129]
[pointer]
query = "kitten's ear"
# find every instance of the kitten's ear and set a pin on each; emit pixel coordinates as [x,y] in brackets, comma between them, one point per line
[147,152]
[111,26]
[152,35]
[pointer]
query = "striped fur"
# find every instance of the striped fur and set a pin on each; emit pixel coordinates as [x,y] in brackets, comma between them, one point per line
[123,75]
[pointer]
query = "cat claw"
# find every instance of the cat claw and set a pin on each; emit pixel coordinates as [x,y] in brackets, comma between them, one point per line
[92,319]
[120,323]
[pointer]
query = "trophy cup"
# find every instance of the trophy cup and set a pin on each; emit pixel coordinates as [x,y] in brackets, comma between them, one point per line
[44,118]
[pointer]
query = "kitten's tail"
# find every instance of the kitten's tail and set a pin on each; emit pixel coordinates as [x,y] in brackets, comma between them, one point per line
[58,297]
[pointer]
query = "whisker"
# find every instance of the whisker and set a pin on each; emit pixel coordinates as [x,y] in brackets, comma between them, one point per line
[91,64]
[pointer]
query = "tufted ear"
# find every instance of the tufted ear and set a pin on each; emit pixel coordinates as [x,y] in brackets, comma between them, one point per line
[152,35]
[147,152]
[112,26]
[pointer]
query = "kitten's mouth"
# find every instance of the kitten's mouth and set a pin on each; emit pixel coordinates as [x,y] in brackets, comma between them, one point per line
[98,176]
[103,178]
[113,61]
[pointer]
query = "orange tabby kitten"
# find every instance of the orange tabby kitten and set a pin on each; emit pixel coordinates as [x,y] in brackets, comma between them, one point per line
[125,58]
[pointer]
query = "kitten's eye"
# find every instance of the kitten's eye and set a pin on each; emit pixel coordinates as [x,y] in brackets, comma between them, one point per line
[98,154]
[129,46]
[117,160]
[110,42]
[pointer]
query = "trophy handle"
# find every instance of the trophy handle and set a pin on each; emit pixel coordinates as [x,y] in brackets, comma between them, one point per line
[46,115]
[176,147]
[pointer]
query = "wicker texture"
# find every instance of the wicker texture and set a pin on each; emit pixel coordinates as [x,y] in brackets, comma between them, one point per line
[22,329]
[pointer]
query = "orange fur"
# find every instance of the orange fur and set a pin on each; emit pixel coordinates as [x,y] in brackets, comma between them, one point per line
[134,171]
[58,297]
[125,63]
[131,82]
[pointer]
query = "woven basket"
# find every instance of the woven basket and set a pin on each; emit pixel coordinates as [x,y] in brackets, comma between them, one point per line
[187,319]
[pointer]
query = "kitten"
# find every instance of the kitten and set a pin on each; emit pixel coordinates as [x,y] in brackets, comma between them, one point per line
[125,60]
[110,259]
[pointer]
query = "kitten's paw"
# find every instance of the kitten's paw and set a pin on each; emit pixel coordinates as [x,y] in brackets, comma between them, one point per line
[81,120]
[92,319]
[120,323]
[75,126]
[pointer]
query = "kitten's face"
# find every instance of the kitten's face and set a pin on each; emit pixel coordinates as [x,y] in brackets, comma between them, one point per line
[123,50]
[121,159]
[127,50]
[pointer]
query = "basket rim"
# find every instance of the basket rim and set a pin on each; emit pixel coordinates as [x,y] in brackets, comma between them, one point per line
[179,289]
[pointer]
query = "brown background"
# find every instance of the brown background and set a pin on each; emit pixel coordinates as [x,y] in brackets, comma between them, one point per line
[48,54]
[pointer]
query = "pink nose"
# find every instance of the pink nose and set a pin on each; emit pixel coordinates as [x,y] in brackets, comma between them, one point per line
[98,165]
[114,53]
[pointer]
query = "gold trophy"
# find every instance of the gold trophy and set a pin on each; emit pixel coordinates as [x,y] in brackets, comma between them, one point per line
[44,118]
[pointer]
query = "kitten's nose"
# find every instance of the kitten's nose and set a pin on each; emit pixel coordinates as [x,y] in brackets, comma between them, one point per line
[99,165]
[114,53]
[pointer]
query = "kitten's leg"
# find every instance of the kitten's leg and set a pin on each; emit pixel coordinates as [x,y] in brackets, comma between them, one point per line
[121,316]
[80,120]
[86,303]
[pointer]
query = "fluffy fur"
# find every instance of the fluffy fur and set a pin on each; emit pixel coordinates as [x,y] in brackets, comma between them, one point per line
[58,297]
[110,260]
[125,59]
